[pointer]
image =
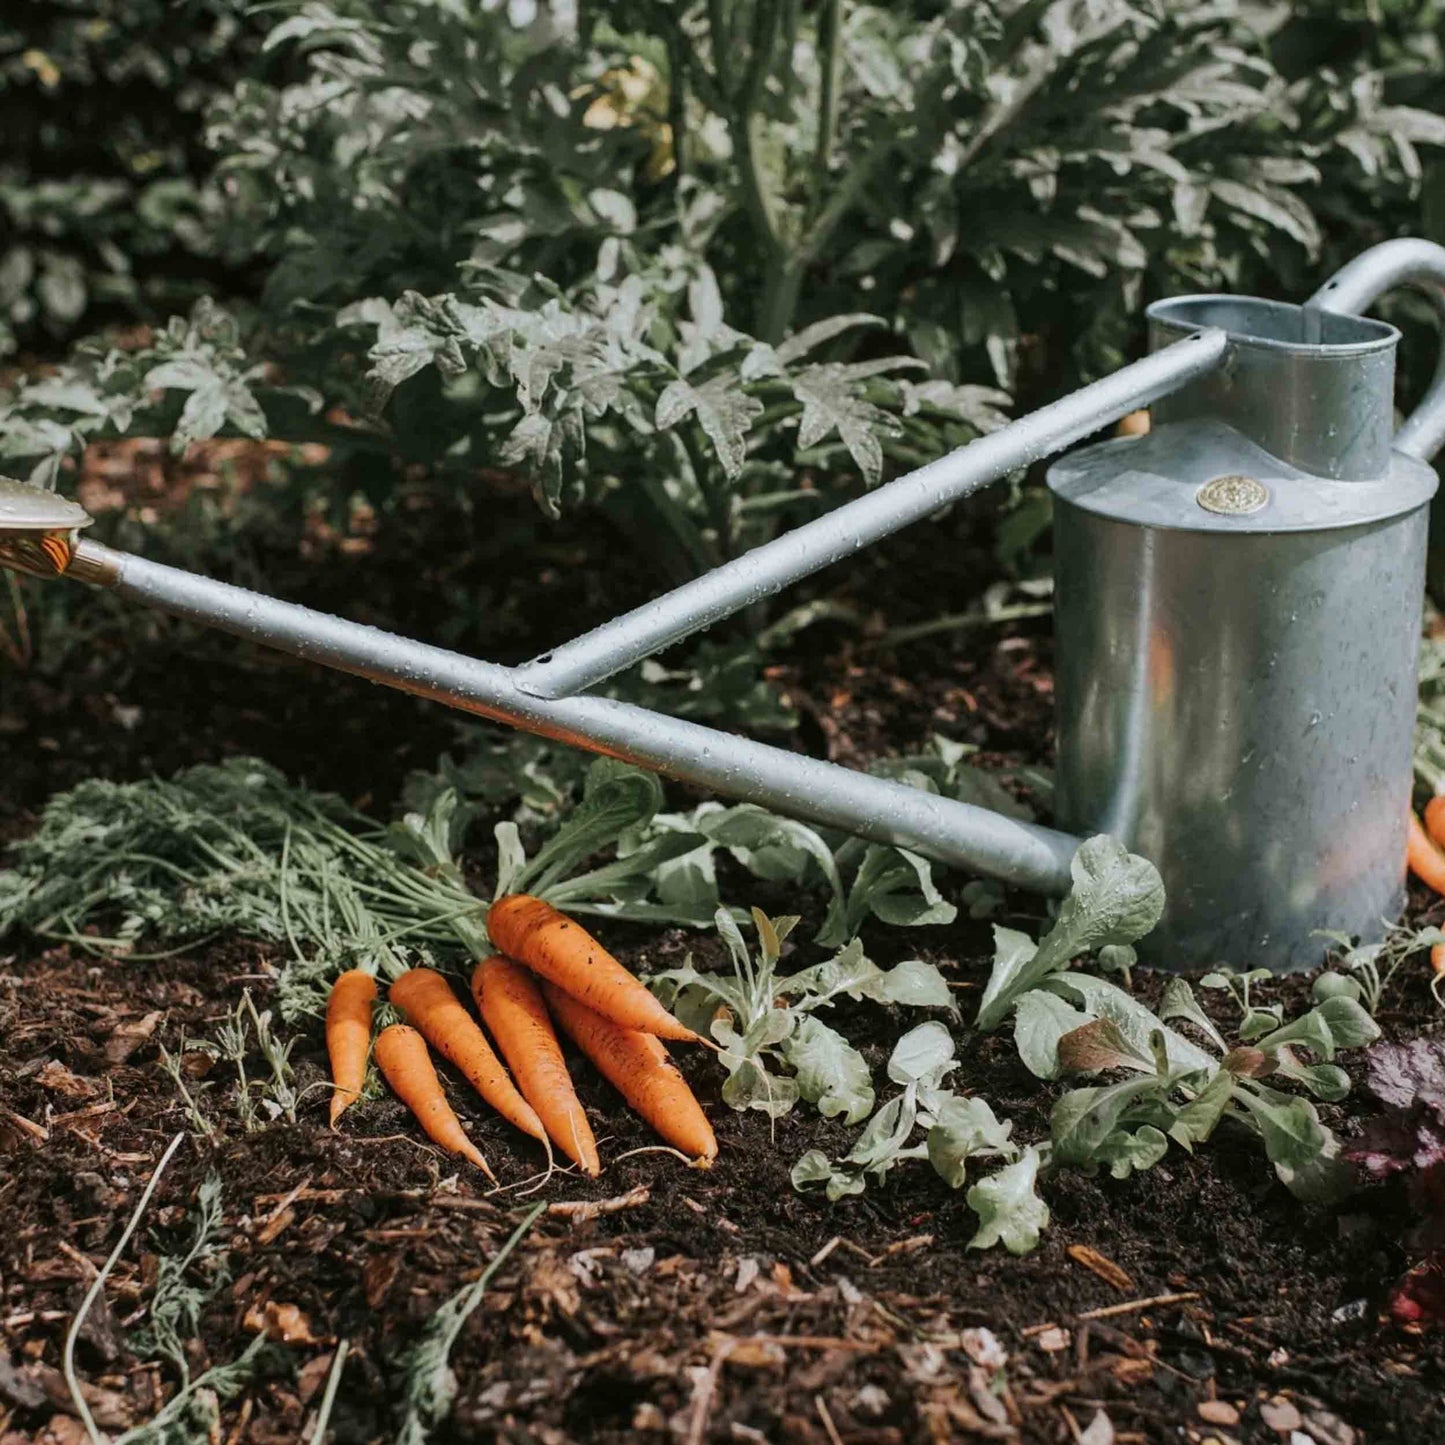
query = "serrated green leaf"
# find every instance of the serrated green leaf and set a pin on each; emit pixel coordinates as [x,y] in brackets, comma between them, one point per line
[831,1073]
[1008,1208]
[816,1168]
[965,1128]
[832,401]
[1128,1152]
[1083,1119]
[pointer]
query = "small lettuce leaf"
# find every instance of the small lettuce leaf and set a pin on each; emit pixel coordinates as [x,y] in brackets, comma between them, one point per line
[1041,1019]
[1009,1211]
[964,1129]
[816,1168]
[924,1056]
[830,1072]
[1117,898]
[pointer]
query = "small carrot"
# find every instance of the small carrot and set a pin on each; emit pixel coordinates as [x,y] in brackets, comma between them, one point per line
[1426,861]
[565,954]
[1435,820]
[638,1067]
[348,1036]
[427,1000]
[401,1055]
[511,1007]
[1437,958]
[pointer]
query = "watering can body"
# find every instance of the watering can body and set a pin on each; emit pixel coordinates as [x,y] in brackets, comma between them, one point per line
[1238,604]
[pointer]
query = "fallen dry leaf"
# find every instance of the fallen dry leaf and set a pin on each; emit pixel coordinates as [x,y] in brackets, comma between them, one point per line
[125,1038]
[1281,1414]
[982,1346]
[286,1324]
[1328,1429]
[377,1277]
[1102,1266]
[59,1080]
[1218,1412]
[312,1376]
[757,1355]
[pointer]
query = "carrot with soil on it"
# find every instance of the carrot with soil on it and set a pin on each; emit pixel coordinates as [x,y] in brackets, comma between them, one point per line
[348,1036]
[430,1006]
[511,1006]
[401,1055]
[1426,861]
[559,950]
[638,1067]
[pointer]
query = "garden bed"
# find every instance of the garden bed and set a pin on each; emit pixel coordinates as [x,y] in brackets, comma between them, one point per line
[1196,1300]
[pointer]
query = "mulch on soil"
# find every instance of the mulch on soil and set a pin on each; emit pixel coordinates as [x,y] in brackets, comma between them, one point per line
[1197,1302]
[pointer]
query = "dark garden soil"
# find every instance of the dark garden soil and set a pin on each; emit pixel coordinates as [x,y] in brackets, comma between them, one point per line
[1196,1302]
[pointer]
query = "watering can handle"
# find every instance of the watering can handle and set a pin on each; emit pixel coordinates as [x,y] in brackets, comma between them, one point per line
[1356,287]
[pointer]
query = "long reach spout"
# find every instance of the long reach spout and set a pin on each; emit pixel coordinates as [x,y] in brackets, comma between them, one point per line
[39,533]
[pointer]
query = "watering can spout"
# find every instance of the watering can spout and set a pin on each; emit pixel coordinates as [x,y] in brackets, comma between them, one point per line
[1207,575]
[953,832]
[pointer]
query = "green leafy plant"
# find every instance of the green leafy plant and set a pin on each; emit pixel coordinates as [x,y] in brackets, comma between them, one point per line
[541,239]
[1157,1084]
[185,1284]
[1068,1021]
[955,1130]
[775,1048]
[273,1094]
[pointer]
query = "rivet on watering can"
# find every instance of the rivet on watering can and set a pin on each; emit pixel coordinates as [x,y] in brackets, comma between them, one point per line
[1233,495]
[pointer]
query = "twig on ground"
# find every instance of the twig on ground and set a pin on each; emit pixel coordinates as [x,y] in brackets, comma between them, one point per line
[826,1250]
[821,1406]
[579,1211]
[703,1405]
[72,1381]
[333,1380]
[1132,1306]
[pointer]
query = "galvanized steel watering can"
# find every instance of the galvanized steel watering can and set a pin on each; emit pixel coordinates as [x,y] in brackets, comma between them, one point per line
[1238,607]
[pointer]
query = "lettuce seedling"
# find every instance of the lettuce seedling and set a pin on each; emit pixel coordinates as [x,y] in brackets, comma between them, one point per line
[1407,1142]
[1070,1022]
[774,1047]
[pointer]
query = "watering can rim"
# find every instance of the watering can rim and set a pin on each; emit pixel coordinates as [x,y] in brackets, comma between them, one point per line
[1178,313]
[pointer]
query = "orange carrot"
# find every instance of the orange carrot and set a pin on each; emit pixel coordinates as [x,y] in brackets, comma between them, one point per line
[1426,861]
[1135,424]
[402,1057]
[565,954]
[348,1036]
[512,1008]
[427,1000]
[1437,958]
[1435,820]
[637,1066]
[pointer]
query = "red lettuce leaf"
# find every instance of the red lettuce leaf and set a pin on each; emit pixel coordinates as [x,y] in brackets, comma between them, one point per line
[1409,1074]
[1418,1301]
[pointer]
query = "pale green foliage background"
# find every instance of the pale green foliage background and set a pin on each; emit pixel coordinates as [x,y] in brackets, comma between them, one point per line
[707,265]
